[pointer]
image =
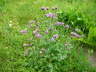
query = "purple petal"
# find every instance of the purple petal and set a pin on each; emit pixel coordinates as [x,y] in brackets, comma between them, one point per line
[38,35]
[54,8]
[23,31]
[52,39]
[56,36]
[44,8]
[59,23]
[73,34]
[46,31]
[51,15]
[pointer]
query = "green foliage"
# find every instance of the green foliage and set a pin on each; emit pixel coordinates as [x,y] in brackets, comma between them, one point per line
[45,55]
[81,21]
[92,36]
[75,20]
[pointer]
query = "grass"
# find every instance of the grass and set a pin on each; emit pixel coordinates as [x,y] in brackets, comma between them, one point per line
[62,55]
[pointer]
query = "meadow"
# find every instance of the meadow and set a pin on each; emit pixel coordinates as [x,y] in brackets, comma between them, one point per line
[47,35]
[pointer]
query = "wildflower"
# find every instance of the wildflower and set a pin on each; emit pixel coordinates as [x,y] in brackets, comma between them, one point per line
[59,23]
[73,34]
[54,8]
[47,8]
[55,36]
[23,31]
[27,45]
[46,31]
[44,8]
[42,51]
[10,25]
[52,39]
[66,26]
[38,35]
[50,15]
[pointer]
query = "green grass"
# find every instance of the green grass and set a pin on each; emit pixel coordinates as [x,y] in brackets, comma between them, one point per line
[44,55]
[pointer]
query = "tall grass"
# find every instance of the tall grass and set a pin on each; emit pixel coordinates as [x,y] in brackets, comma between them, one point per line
[57,57]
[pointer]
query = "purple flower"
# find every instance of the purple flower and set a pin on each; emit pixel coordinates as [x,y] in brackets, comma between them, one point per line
[46,31]
[73,34]
[54,8]
[23,31]
[27,45]
[66,26]
[52,39]
[50,15]
[44,8]
[59,23]
[38,35]
[55,36]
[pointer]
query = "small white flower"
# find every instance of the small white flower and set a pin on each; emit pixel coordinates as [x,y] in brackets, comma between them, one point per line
[10,25]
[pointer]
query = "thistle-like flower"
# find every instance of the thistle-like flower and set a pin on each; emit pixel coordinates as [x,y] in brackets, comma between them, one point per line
[23,31]
[59,23]
[44,8]
[74,34]
[37,35]
[55,36]
[54,8]
[46,31]
[50,15]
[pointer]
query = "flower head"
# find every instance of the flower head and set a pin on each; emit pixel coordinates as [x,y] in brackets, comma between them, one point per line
[50,15]
[55,36]
[37,35]
[52,39]
[23,31]
[74,34]
[44,8]
[46,31]
[54,8]
[59,23]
